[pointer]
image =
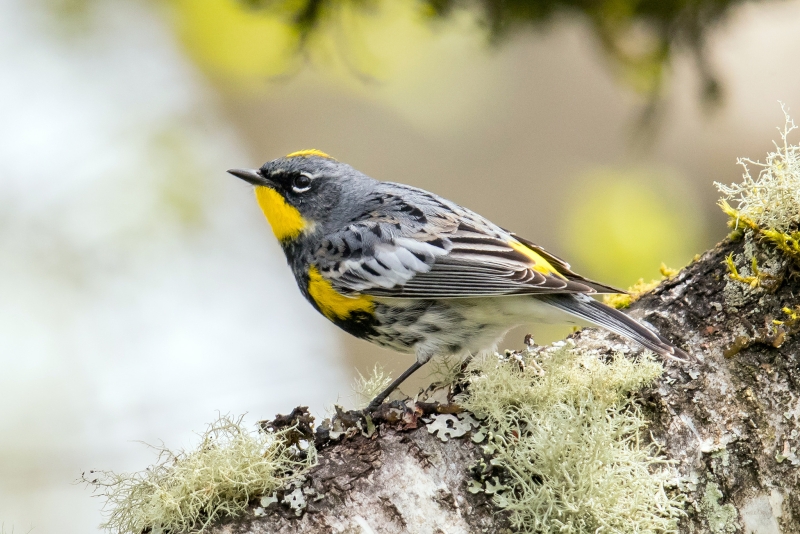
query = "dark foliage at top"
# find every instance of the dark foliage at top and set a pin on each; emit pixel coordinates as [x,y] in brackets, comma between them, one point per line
[638,35]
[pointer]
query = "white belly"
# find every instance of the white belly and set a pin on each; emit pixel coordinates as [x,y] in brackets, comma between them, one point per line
[458,326]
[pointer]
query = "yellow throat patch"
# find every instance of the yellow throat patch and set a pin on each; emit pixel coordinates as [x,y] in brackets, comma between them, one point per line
[333,304]
[285,220]
[539,263]
[309,152]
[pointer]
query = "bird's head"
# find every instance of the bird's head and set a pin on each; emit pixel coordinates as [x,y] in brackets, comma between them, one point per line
[299,192]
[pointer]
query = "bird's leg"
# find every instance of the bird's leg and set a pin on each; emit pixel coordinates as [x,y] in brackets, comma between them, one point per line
[377,401]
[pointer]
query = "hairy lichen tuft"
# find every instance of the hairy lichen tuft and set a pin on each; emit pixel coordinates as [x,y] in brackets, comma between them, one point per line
[367,388]
[445,369]
[188,490]
[767,212]
[566,434]
[772,200]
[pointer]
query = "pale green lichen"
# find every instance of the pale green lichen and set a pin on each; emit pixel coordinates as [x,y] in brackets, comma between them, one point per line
[188,490]
[445,369]
[720,458]
[721,519]
[772,200]
[568,437]
[366,388]
[768,212]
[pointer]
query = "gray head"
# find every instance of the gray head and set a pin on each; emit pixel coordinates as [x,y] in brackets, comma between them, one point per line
[303,190]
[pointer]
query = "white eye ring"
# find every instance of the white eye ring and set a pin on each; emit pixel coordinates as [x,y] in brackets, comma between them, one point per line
[305,186]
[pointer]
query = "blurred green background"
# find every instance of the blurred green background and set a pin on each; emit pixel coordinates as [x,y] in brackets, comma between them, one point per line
[141,289]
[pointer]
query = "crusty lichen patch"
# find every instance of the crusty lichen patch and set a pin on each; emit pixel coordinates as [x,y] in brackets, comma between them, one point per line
[188,490]
[721,519]
[562,428]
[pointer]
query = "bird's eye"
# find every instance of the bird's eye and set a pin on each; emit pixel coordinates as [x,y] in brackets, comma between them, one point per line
[301,183]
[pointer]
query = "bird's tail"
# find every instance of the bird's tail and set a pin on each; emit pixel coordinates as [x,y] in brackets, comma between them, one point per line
[588,309]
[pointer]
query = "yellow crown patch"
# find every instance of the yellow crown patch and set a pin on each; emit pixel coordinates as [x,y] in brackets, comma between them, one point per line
[309,152]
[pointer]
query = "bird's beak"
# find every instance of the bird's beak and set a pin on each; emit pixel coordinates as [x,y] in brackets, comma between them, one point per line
[250,176]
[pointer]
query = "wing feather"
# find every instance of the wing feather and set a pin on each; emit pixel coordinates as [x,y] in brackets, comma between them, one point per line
[439,250]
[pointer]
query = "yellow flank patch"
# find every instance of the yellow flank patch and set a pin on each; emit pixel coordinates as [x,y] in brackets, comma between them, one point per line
[333,304]
[286,221]
[309,152]
[539,263]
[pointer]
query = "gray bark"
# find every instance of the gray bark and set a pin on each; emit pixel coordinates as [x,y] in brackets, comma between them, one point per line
[730,421]
[395,481]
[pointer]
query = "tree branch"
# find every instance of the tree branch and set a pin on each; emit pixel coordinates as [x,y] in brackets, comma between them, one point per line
[730,423]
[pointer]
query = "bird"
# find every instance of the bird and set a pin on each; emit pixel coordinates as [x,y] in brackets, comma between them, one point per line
[409,270]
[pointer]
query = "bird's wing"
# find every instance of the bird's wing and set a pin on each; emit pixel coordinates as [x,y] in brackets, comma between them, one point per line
[441,253]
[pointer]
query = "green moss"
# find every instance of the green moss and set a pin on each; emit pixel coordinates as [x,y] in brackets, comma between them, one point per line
[757,279]
[624,300]
[564,431]
[721,518]
[187,491]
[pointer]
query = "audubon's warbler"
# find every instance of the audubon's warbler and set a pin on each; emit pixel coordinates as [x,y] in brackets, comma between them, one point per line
[409,270]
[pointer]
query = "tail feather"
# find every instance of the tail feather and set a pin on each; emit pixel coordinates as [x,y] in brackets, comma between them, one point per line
[611,319]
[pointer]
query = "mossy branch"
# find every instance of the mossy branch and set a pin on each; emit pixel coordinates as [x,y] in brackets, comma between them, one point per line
[554,440]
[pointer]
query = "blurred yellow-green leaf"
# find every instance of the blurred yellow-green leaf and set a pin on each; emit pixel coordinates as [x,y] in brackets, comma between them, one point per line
[620,225]
[228,39]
